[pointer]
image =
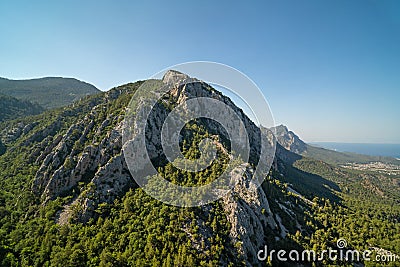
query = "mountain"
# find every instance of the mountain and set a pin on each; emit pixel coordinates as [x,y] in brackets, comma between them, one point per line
[11,108]
[290,141]
[67,197]
[49,92]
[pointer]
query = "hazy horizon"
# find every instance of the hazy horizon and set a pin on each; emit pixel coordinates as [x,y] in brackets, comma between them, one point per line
[372,149]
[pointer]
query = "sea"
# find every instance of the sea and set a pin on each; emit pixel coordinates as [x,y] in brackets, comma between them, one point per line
[388,150]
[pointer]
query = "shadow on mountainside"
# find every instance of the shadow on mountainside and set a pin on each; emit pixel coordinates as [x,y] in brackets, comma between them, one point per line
[308,184]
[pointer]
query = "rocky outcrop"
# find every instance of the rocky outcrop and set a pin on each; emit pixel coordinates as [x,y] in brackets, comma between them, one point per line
[88,159]
[65,165]
[53,176]
[246,207]
[107,184]
[15,130]
[71,158]
[86,156]
[174,77]
[289,140]
[249,214]
[184,88]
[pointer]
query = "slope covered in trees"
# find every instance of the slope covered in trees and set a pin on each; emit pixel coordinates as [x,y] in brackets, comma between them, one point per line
[12,108]
[50,92]
[311,203]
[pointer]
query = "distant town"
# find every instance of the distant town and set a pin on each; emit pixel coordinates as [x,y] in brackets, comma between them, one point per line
[380,167]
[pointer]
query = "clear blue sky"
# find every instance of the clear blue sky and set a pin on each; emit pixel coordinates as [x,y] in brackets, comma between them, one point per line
[329,69]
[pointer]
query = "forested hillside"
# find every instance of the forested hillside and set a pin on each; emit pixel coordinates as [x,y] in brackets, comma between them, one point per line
[12,108]
[49,92]
[67,197]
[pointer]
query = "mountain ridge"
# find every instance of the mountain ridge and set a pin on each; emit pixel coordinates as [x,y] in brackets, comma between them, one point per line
[49,92]
[292,142]
[68,198]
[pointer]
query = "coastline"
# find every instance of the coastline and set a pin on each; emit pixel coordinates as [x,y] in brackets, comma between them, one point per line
[372,149]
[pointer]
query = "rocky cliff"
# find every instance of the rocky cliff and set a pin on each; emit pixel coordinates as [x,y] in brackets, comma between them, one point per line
[79,154]
[289,140]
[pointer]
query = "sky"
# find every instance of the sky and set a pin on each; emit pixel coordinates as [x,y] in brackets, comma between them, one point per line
[330,70]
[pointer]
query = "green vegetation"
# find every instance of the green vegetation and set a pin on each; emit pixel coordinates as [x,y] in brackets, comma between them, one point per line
[134,231]
[361,207]
[12,108]
[137,230]
[51,92]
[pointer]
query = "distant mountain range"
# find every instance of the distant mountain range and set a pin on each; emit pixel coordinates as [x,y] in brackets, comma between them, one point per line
[293,143]
[48,92]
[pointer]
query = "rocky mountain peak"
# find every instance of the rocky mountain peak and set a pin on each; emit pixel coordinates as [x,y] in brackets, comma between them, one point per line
[86,162]
[289,140]
[281,129]
[173,77]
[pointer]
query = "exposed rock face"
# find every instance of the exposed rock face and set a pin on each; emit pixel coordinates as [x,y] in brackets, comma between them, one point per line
[249,214]
[289,140]
[14,131]
[246,207]
[73,157]
[185,88]
[54,175]
[174,77]
[80,156]
[107,184]
[64,167]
